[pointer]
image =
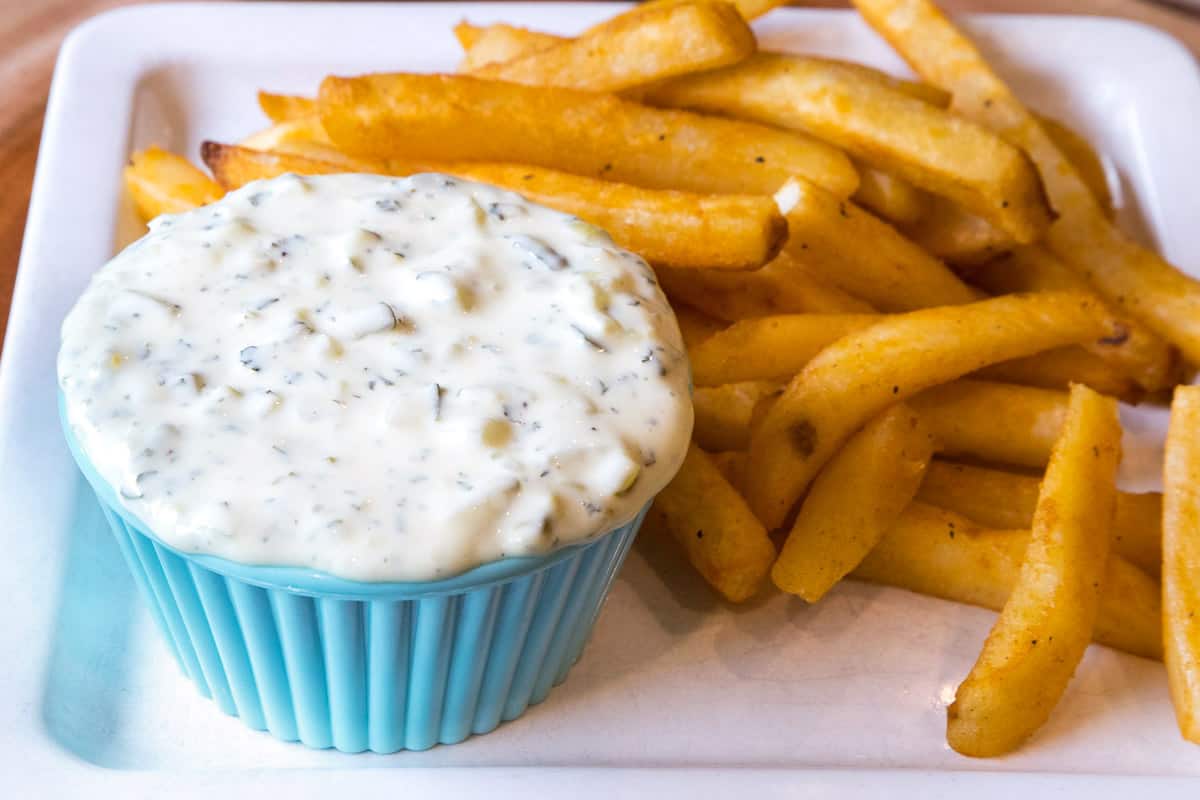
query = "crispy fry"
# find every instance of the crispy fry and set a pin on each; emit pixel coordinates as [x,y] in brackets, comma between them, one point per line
[673,228]
[1083,157]
[1057,369]
[887,129]
[780,287]
[935,552]
[455,117]
[894,199]
[1140,354]
[1181,559]
[863,254]
[1134,279]
[723,413]
[305,137]
[634,49]
[864,372]
[857,497]
[709,519]
[1006,500]
[164,183]
[950,232]
[286,107]
[769,348]
[1047,621]
[996,422]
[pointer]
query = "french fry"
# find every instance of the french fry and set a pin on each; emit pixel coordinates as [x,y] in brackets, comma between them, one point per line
[456,117]
[938,553]
[305,137]
[1006,500]
[719,535]
[678,229]
[855,499]
[1138,353]
[951,233]
[1083,157]
[894,199]
[1137,281]
[887,129]
[286,107]
[769,348]
[864,372]
[633,49]
[695,326]
[862,254]
[732,464]
[780,287]
[724,413]
[164,183]
[749,9]
[1181,559]
[997,422]
[1034,647]
[1057,369]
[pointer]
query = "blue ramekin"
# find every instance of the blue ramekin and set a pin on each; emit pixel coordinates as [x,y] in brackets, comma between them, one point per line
[368,666]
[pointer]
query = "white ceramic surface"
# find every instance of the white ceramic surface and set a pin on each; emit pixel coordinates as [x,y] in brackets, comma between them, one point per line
[676,692]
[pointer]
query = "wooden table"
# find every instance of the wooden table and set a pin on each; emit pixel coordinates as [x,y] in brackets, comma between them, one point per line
[31,32]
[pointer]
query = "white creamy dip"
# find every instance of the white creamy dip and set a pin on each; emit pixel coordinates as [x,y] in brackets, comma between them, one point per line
[383,379]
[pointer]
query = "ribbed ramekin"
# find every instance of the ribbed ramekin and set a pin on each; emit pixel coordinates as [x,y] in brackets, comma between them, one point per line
[368,666]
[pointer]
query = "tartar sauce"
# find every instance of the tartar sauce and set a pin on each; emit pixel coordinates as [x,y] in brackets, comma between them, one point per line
[383,379]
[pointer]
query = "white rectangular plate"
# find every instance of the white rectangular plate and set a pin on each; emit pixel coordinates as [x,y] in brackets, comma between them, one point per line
[677,692]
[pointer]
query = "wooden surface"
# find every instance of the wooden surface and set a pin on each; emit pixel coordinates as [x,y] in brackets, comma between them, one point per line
[32,30]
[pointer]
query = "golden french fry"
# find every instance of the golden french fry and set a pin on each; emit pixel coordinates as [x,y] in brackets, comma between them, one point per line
[1006,500]
[694,325]
[769,348]
[732,464]
[1134,279]
[862,254]
[1181,559]
[864,372]
[855,499]
[938,553]
[894,199]
[723,413]
[997,422]
[1057,369]
[456,117]
[709,519]
[1138,353]
[164,183]
[305,137]
[951,233]
[678,229]
[780,287]
[633,49]
[1083,157]
[887,129]
[1034,647]
[286,107]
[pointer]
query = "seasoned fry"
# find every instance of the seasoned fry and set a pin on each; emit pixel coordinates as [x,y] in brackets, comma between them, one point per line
[1181,559]
[1134,279]
[286,107]
[634,49]
[780,287]
[1006,500]
[864,255]
[679,229]
[723,413]
[857,497]
[939,553]
[951,233]
[887,129]
[164,183]
[1057,369]
[456,117]
[894,199]
[769,348]
[709,519]
[864,372]
[1047,621]
[1139,353]
[996,422]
